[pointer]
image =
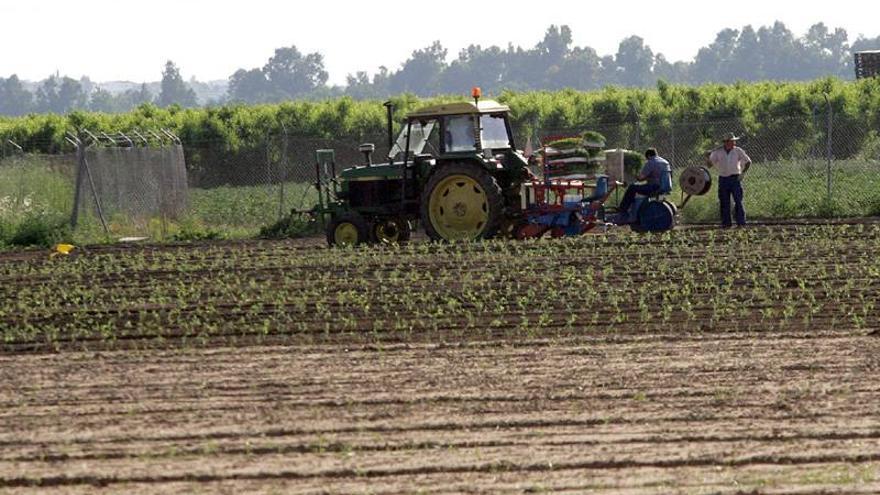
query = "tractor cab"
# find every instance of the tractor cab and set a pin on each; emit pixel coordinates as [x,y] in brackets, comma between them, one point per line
[478,130]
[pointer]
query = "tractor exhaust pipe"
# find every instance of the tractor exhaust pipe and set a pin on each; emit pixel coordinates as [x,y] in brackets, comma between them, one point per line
[389,109]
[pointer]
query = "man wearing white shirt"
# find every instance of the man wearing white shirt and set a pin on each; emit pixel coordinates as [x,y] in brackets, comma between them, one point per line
[732,162]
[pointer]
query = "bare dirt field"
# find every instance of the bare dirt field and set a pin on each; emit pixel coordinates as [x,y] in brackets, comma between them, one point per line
[693,401]
[733,413]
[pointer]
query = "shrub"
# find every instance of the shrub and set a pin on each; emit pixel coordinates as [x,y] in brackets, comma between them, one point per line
[191,230]
[828,208]
[874,207]
[39,231]
[289,227]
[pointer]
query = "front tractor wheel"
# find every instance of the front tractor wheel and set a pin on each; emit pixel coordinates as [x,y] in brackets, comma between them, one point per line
[391,231]
[347,229]
[461,201]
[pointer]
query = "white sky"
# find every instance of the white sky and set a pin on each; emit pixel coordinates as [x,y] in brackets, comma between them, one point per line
[210,39]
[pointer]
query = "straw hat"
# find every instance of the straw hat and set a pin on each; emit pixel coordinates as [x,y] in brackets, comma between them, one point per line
[730,137]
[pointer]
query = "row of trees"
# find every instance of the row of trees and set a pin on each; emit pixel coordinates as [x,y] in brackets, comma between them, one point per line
[62,95]
[232,126]
[780,120]
[768,53]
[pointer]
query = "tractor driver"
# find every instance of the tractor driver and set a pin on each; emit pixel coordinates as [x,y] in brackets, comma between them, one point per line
[460,133]
[652,174]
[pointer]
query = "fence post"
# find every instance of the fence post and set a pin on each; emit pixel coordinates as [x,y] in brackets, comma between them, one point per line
[80,158]
[267,163]
[84,167]
[284,170]
[100,210]
[638,124]
[672,143]
[814,113]
[828,150]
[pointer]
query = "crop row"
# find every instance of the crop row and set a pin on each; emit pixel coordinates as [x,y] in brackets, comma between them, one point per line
[806,277]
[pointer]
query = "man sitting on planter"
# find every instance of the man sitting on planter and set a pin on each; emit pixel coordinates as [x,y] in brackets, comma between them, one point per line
[652,173]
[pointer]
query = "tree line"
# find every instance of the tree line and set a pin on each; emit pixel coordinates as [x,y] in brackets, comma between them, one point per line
[748,54]
[62,94]
[768,53]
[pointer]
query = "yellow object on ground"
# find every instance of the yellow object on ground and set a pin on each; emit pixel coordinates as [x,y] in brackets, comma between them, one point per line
[63,249]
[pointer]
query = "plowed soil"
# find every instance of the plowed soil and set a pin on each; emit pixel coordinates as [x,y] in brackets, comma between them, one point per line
[788,414]
[729,409]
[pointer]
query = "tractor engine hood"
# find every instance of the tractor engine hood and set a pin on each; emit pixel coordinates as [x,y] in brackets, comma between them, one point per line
[381,171]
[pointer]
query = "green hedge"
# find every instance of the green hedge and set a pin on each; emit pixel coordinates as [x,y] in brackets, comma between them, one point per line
[760,106]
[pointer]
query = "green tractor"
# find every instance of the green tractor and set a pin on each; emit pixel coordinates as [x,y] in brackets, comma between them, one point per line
[454,168]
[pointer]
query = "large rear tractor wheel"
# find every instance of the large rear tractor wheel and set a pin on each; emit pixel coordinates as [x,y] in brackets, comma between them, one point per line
[391,231]
[461,201]
[347,229]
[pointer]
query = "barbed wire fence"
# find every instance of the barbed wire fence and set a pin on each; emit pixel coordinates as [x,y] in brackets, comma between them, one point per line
[818,166]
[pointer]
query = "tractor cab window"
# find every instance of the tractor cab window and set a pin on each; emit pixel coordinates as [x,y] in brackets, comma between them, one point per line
[418,140]
[459,133]
[494,132]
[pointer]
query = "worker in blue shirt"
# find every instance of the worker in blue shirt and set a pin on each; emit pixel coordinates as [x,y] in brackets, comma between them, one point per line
[652,174]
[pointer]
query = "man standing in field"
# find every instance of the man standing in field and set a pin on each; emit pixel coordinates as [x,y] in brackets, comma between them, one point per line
[732,162]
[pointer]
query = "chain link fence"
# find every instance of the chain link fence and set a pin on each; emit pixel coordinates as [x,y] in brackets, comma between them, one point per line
[34,187]
[240,189]
[126,188]
[819,166]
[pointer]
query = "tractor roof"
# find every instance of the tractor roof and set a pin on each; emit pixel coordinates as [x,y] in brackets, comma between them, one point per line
[459,108]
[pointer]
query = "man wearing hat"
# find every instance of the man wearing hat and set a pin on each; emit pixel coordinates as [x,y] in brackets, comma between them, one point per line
[732,162]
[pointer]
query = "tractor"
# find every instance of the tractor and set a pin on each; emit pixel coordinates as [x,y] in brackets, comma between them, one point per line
[454,167]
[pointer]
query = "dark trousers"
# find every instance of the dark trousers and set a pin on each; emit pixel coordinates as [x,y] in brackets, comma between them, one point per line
[727,187]
[630,195]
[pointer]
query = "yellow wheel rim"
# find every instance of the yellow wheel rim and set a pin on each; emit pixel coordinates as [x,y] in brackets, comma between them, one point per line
[345,234]
[388,232]
[458,208]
